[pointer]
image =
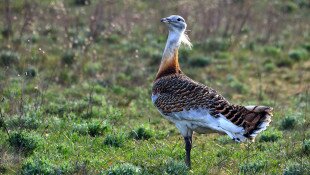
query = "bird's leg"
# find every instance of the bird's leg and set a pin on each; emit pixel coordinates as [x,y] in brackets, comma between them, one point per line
[188,147]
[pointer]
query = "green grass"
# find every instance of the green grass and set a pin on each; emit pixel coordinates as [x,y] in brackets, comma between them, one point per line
[75,88]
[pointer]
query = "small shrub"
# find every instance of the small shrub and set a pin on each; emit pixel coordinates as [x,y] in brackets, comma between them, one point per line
[306,45]
[306,147]
[288,123]
[25,122]
[251,46]
[298,54]
[224,140]
[289,7]
[68,58]
[253,167]
[33,38]
[24,142]
[2,169]
[284,62]
[64,149]
[67,77]
[81,128]
[222,55]
[237,85]
[216,44]
[35,166]
[297,169]
[96,128]
[93,128]
[113,39]
[30,72]
[270,136]
[272,51]
[8,58]
[124,169]
[141,134]
[56,109]
[78,42]
[269,67]
[92,68]
[2,123]
[303,3]
[184,55]
[223,153]
[82,2]
[6,32]
[200,61]
[114,140]
[173,167]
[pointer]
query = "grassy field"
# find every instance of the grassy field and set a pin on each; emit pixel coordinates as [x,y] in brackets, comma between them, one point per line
[76,78]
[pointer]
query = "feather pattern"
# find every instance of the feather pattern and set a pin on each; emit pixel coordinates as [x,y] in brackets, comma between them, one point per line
[177,93]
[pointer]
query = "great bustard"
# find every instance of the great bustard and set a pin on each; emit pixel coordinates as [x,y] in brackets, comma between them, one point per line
[192,106]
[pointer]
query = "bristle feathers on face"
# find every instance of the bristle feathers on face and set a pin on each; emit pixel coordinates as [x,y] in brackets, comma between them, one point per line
[185,40]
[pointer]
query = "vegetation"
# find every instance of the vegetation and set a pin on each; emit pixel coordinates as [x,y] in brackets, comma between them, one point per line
[76,78]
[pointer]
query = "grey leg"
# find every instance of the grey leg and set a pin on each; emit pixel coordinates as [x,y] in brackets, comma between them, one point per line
[188,147]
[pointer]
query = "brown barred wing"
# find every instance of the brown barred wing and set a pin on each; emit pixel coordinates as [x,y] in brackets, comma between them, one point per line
[178,92]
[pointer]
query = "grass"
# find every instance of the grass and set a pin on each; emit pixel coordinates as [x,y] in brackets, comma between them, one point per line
[75,92]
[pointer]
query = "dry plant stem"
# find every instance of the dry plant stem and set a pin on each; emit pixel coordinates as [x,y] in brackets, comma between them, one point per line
[27,18]
[4,125]
[8,17]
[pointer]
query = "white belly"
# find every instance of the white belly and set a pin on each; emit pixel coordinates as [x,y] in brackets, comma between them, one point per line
[201,121]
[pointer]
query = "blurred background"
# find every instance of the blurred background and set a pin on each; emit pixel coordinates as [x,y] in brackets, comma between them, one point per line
[76,78]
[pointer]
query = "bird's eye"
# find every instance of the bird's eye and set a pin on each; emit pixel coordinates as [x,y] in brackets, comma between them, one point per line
[179,19]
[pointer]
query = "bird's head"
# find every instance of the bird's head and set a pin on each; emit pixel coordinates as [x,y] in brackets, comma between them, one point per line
[175,23]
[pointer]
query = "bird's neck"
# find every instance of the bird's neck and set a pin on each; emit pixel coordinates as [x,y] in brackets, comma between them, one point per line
[170,60]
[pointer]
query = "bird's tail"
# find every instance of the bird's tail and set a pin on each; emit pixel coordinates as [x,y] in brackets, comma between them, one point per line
[256,120]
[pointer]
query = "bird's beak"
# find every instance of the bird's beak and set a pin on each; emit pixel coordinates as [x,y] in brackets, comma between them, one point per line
[165,20]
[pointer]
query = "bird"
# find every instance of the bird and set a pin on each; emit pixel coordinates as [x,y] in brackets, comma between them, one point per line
[195,107]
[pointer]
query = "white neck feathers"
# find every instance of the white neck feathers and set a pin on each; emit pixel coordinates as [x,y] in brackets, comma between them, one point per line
[175,39]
